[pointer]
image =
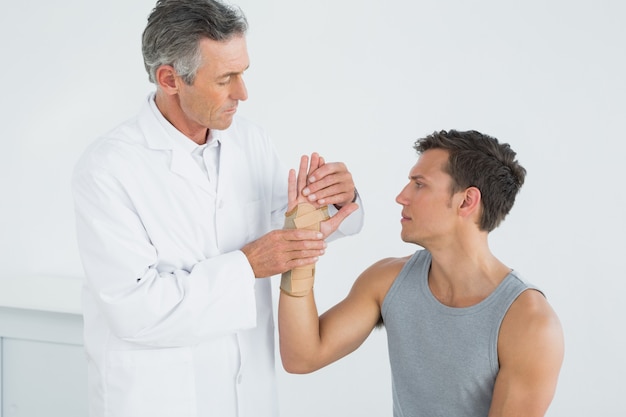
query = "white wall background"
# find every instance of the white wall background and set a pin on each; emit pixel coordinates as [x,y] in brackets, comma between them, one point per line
[359,81]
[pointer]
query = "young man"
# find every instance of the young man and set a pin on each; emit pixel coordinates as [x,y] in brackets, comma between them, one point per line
[175,214]
[466,335]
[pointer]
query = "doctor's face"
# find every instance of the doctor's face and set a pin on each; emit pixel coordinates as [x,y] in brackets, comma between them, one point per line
[211,101]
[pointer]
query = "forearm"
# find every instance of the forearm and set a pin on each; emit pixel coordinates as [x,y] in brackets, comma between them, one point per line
[303,344]
[299,281]
[299,331]
[309,341]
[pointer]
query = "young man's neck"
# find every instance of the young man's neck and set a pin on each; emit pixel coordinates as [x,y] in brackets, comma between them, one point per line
[464,275]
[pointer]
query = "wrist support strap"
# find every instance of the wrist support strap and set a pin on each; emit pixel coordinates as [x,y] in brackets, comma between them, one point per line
[299,281]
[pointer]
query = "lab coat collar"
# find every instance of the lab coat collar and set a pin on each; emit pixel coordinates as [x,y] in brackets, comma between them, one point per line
[158,136]
[159,133]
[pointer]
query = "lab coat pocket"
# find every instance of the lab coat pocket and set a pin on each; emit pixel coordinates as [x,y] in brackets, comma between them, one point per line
[155,383]
[240,223]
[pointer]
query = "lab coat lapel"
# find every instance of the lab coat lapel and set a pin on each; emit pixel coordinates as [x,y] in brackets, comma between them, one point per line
[181,163]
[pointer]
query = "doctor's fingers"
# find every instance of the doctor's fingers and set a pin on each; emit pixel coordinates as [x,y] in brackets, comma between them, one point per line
[276,251]
[279,263]
[299,239]
[298,247]
[336,188]
[300,255]
[326,171]
[338,194]
[298,262]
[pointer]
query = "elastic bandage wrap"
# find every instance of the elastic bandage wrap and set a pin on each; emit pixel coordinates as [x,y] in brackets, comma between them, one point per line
[299,281]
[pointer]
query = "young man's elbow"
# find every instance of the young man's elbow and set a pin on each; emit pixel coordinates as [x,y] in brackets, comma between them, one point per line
[297,366]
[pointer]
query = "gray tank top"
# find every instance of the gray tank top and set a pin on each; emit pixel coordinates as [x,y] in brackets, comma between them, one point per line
[444,360]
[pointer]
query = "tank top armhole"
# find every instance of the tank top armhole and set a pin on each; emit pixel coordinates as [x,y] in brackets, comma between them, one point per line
[404,273]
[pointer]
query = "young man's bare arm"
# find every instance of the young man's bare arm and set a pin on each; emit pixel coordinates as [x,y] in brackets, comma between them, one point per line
[309,342]
[530,349]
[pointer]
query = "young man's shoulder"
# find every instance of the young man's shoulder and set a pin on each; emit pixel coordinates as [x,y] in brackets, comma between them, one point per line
[530,322]
[531,304]
[389,265]
[379,277]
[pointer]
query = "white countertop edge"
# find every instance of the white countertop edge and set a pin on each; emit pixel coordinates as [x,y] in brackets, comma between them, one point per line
[43,293]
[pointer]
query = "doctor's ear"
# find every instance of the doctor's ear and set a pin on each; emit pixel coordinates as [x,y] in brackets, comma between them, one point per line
[167,79]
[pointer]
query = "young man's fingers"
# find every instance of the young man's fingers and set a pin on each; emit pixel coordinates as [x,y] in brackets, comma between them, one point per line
[303,172]
[332,224]
[292,191]
[315,163]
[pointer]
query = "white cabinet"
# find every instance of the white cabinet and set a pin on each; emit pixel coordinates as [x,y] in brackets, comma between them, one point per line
[43,370]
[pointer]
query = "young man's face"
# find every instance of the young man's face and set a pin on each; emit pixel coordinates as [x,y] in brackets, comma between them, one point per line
[211,101]
[428,208]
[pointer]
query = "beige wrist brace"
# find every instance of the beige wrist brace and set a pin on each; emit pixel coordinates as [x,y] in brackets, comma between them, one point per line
[299,281]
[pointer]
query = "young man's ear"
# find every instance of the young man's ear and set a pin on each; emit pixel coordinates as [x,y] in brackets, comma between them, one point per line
[471,201]
[167,79]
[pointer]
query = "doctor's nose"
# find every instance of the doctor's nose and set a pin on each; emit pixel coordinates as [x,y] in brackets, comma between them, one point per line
[239,90]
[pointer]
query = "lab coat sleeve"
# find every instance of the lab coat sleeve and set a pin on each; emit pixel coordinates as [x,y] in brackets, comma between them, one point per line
[140,303]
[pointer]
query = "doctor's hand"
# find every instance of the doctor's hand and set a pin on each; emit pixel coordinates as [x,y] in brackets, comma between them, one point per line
[282,250]
[329,183]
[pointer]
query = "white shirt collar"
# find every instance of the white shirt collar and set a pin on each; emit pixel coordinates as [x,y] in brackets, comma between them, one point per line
[177,136]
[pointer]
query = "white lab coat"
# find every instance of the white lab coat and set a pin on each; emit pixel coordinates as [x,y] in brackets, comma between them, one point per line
[175,322]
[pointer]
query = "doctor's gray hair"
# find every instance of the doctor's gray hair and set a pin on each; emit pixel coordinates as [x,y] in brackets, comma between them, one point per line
[175,28]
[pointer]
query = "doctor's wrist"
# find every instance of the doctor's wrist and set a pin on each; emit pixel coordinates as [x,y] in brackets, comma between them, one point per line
[356,195]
